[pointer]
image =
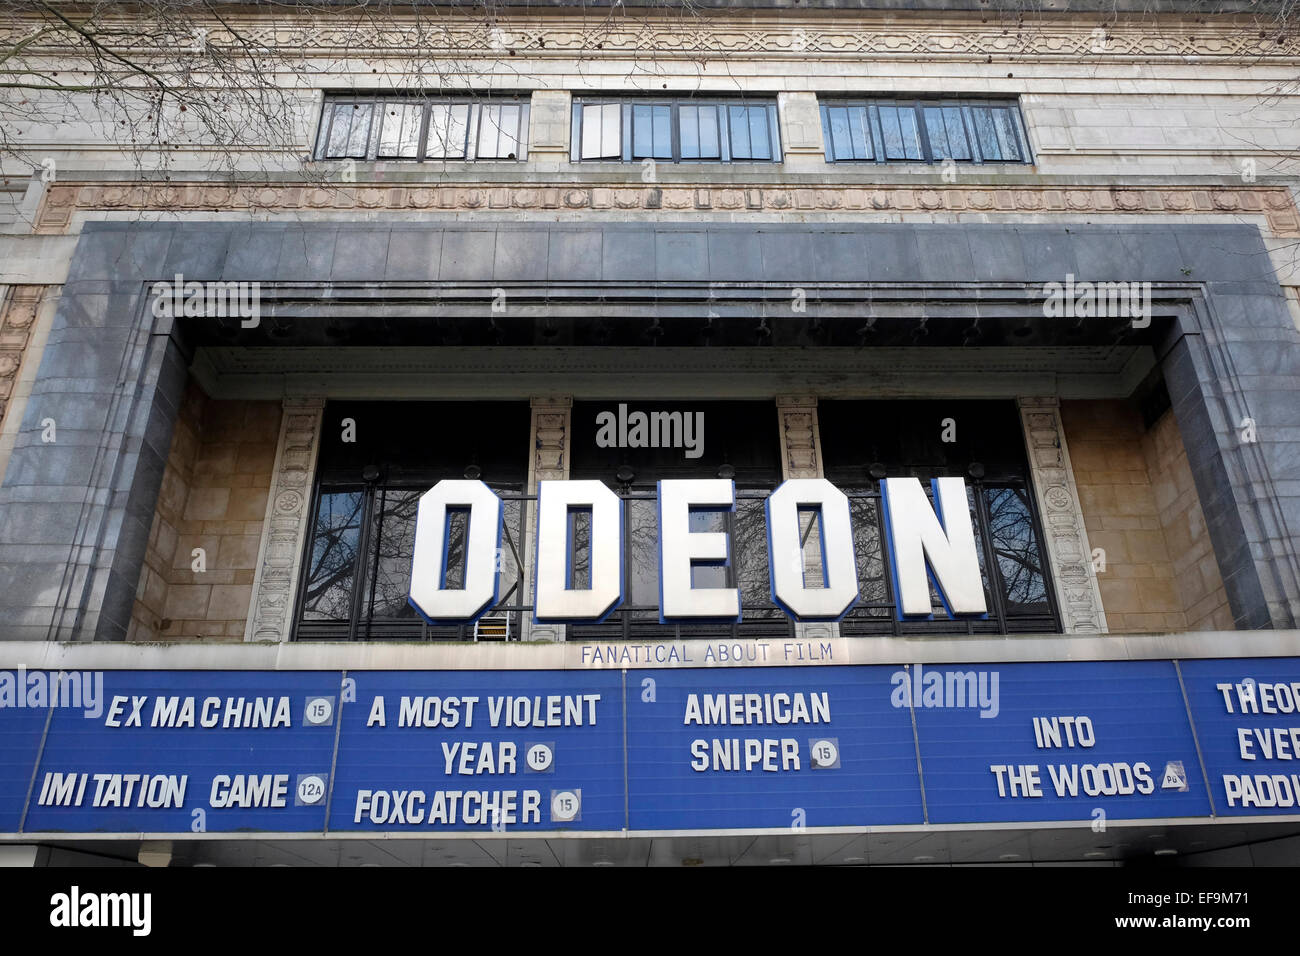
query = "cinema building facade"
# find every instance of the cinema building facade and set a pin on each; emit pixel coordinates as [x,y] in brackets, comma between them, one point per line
[1036,264]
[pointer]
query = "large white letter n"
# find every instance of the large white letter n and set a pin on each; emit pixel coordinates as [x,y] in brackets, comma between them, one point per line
[946,541]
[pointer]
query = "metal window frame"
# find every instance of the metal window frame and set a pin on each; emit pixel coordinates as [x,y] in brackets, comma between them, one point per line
[361,624]
[918,105]
[723,104]
[477,113]
[378,101]
[326,126]
[995,592]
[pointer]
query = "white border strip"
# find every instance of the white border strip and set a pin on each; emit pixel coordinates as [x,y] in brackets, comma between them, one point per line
[197,655]
[1010,827]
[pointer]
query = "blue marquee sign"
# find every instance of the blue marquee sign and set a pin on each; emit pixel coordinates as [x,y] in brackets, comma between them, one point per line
[647,750]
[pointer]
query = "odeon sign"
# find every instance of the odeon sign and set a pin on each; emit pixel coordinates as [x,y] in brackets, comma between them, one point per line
[924,545]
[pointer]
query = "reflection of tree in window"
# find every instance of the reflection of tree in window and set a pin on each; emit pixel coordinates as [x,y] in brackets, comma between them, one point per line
[750,555]
[335,539]
[1011,531]
[643,552]
[864,513]
[394,535]
[393,531]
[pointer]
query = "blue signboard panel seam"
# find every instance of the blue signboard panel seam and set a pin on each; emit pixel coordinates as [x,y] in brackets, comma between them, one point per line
[1196,739]
[36,767]
[627,818]
[916,744]
[334,757]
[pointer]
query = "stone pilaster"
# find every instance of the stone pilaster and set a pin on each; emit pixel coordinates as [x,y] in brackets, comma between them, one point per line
[801,447]
[548,125]
[284,530]
[801,457]
[1068,552]
[548,461]
[801,128]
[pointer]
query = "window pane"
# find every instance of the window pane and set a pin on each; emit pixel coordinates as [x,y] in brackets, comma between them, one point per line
[663,131]
[652,132]
[902,139]
[611,137]
[591,132]
[709,139]
[864,513]
[336,536]
[893,133]
[947,136]
[579,549]
[934,128]
[749,545]
[688,120]
[389,577]
[447,128]
[600,133]
[738,126]
[338,136]
[643,552]
[1010,148]
[858,133]
[841,144]
[359,134]
[642,133]
[1011,532]
[911,135]
[760,148]
[956,133]
[988,138]
[400,133]
[709,575]
[498,136]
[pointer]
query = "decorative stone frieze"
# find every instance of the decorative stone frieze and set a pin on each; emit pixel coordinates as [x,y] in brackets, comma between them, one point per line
[801,457]
[1274,204]
[17,316]
[711,35]
[284,530]
[1068,552]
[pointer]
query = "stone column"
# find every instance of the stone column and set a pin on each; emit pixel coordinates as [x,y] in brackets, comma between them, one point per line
[548,461]
[1068,552]
[284,529]
[801,457]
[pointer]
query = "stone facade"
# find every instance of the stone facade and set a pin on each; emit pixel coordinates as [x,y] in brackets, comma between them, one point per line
[1199,584]
[1154,158]
[1156,567]
[198,569]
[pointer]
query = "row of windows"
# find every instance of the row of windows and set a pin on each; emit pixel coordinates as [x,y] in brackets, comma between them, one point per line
[392,128]
[675,131]
[926,131]
[358,557]
[672,130]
